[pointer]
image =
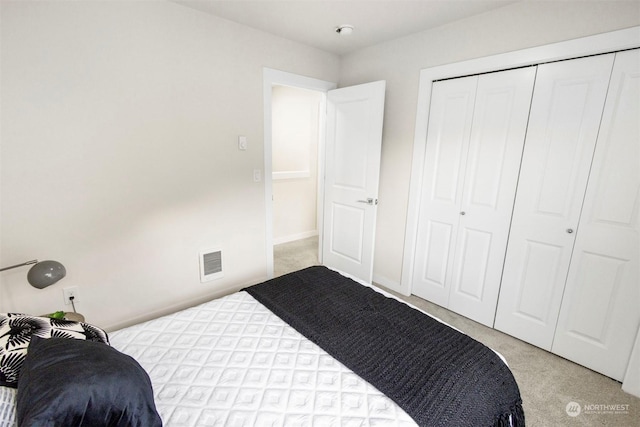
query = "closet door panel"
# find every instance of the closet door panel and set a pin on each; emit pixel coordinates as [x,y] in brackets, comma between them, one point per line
[563,126]
[601,306]
[493,162]
[450,122]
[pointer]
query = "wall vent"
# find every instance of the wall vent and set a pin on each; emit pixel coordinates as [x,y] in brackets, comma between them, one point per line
[210,265]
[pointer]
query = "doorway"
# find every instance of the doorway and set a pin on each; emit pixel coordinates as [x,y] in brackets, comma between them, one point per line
[295,129]
[292,172]
[346,210]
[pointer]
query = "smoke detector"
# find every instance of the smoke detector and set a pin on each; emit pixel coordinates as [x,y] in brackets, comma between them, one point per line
[344,30]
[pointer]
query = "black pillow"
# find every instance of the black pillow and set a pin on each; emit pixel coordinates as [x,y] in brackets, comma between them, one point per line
[83,383]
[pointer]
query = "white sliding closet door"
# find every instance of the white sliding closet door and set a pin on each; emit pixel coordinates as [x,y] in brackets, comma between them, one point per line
[476,133]
[493,162]
[563,126]
[601,305]
[452,103]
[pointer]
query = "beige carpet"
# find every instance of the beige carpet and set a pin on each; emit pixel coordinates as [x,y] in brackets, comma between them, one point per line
[295,255]
[548,383]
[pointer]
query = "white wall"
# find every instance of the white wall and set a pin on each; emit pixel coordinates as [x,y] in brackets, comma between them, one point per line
[118,140]
[514,27]
[119,153]
[295,114]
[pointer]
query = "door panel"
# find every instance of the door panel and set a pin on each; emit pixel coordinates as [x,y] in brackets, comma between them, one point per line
[353,144]
[563,126]
[445,161]
[347,244]
[537,284]
[350,150]
[601,305]
[475,253]
[438,239]
[493,161]
[591,306]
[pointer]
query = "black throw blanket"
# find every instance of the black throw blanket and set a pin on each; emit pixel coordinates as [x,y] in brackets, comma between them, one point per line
[439,376]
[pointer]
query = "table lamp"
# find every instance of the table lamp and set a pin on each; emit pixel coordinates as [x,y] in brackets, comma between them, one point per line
[43,273]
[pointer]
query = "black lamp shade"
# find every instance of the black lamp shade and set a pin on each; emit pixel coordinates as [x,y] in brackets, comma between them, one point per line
[45,273]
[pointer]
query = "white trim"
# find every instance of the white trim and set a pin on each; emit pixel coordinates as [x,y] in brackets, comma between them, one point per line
[322,132]
[631,381]
[592,45]
[271,77]
[291,175]
[294,237]
[385,281]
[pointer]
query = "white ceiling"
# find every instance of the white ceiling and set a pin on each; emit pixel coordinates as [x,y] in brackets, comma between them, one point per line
[313,22]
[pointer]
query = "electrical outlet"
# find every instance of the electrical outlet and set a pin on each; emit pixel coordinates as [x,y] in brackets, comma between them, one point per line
[67,293]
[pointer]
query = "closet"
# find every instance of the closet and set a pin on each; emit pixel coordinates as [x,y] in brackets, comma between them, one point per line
[474,145]
[529,212]
[563,128]
[570,282]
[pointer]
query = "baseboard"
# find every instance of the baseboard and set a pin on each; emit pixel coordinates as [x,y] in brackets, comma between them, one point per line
[387,283]
[182,305]
[294,237]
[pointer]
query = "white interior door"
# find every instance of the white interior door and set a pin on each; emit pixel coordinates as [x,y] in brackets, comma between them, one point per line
[352,169]
[601,305]
[565,116]
[497,137]
[448,136]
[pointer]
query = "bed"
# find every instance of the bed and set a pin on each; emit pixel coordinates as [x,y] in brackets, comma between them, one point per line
[313,347]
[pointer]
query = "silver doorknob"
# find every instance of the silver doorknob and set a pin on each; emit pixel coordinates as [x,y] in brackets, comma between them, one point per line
[463,213]
[369,201]
[569,230]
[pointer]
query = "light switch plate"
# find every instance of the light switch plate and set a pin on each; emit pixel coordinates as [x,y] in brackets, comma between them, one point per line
[242,143]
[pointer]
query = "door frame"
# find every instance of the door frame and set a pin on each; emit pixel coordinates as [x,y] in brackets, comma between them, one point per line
[272,78]
[585,46]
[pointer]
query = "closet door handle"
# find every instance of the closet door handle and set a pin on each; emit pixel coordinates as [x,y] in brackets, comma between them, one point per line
[569,230]
[463,213]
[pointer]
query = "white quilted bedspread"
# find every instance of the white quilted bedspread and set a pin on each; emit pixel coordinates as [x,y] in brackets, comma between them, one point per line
[231,362]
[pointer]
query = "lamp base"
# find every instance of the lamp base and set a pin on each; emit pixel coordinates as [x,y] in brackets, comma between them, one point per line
[75,317]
